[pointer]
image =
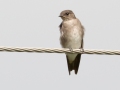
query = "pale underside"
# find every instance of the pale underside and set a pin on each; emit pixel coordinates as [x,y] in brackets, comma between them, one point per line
[71,36]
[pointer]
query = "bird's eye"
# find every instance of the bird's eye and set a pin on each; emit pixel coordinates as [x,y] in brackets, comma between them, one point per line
[67,13]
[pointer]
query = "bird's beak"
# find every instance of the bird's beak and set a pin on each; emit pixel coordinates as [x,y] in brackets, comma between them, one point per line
[60,16]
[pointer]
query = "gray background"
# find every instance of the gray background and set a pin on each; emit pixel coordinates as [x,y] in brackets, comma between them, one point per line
[34,23]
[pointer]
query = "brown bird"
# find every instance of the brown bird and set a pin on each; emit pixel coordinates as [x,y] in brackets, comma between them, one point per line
[71,37]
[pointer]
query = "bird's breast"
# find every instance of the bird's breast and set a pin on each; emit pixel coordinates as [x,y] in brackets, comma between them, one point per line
[71,37]
[71,34]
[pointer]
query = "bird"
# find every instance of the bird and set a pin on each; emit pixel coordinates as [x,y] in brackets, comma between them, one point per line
[71,36]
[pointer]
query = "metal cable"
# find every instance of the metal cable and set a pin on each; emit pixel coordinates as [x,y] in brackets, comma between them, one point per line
[57,50]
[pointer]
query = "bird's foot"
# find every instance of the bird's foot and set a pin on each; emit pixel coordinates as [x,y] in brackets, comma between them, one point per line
[70,49]
[81,50]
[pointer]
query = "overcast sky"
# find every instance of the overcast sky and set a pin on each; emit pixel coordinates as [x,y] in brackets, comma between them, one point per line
[34,23]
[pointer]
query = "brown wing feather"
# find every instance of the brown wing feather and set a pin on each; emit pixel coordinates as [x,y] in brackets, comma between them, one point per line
[60,26]
[82,44]
[77,62]
[69,65]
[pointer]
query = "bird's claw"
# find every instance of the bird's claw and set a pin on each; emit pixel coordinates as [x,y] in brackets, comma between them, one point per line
[70,49]
[81,50]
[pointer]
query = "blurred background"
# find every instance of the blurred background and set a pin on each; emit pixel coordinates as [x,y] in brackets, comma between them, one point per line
[34,23]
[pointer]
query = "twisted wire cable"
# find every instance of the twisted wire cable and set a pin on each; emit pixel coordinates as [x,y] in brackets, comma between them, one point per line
[57,50]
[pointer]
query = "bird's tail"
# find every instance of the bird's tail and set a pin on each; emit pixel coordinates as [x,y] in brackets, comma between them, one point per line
[74,65]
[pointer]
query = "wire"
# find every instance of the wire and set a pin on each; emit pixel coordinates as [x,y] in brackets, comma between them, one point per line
[57,50]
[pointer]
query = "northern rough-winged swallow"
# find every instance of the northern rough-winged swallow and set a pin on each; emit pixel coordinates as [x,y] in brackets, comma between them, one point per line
[71,37]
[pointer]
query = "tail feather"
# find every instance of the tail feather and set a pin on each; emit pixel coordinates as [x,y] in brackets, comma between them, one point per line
[77,62]
[74,65]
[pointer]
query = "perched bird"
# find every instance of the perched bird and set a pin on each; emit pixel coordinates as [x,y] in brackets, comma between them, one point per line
[71,36]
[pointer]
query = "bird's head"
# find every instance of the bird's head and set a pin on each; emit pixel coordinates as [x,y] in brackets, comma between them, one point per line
[67,15]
